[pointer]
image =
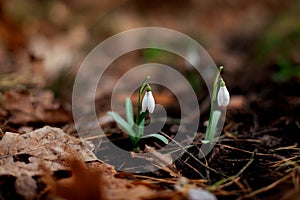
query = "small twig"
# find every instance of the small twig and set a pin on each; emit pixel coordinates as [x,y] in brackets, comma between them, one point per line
[294,169]
[163,180]
[284,162]
[245,151]
[268,187]
[228,183]
[293,147]
[193,168]
[201,163]
[238,183]
[232,178]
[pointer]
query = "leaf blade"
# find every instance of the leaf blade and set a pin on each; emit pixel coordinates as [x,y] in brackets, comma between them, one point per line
[122,123]
[141,128]
[213,126]
[129,112]
[160,137]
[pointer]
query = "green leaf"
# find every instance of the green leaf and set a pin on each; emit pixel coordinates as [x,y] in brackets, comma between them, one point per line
[213,125]
[141,128]
[129,112]
[122,123]
[160,137]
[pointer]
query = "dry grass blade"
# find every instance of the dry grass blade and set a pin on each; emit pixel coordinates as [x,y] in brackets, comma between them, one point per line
[268,187]
[159,160]
[194,157]
[245,151]
[221,183]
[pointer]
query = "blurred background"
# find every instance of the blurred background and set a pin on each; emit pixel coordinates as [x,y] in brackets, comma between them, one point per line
[42,43]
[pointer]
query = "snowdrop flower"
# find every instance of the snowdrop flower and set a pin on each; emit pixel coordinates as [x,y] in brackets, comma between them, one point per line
[148,102]
[223,95]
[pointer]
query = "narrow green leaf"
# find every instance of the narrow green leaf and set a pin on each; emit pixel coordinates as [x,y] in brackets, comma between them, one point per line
[213,125]
[141,128]
[129,112]
[160,137]
[122,123]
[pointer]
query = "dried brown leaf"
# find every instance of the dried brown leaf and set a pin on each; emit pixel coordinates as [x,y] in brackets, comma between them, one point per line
[22,107]
[163,161]
[84,183]
[23,154]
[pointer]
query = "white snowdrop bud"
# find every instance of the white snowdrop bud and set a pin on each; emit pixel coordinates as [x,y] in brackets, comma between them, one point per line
[148,102]
[223,97]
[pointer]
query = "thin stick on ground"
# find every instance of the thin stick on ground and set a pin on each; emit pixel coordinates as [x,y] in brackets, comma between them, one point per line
[196,159]
[268,187]
[232,178]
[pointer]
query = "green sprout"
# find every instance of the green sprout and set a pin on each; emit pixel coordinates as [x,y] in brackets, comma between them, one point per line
[222,99]
[135,129]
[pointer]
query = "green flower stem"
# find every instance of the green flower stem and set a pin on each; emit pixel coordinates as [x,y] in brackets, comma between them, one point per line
[213,99]
[140,116]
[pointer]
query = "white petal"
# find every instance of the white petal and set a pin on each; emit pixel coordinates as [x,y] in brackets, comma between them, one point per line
[223,96]
[226,96]
[151,102]
[144,103]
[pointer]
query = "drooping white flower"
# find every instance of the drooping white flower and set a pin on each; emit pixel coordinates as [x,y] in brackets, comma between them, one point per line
[223,97]
[148,102]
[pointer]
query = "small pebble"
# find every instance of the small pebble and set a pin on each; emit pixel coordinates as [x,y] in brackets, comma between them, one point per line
[200,194]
